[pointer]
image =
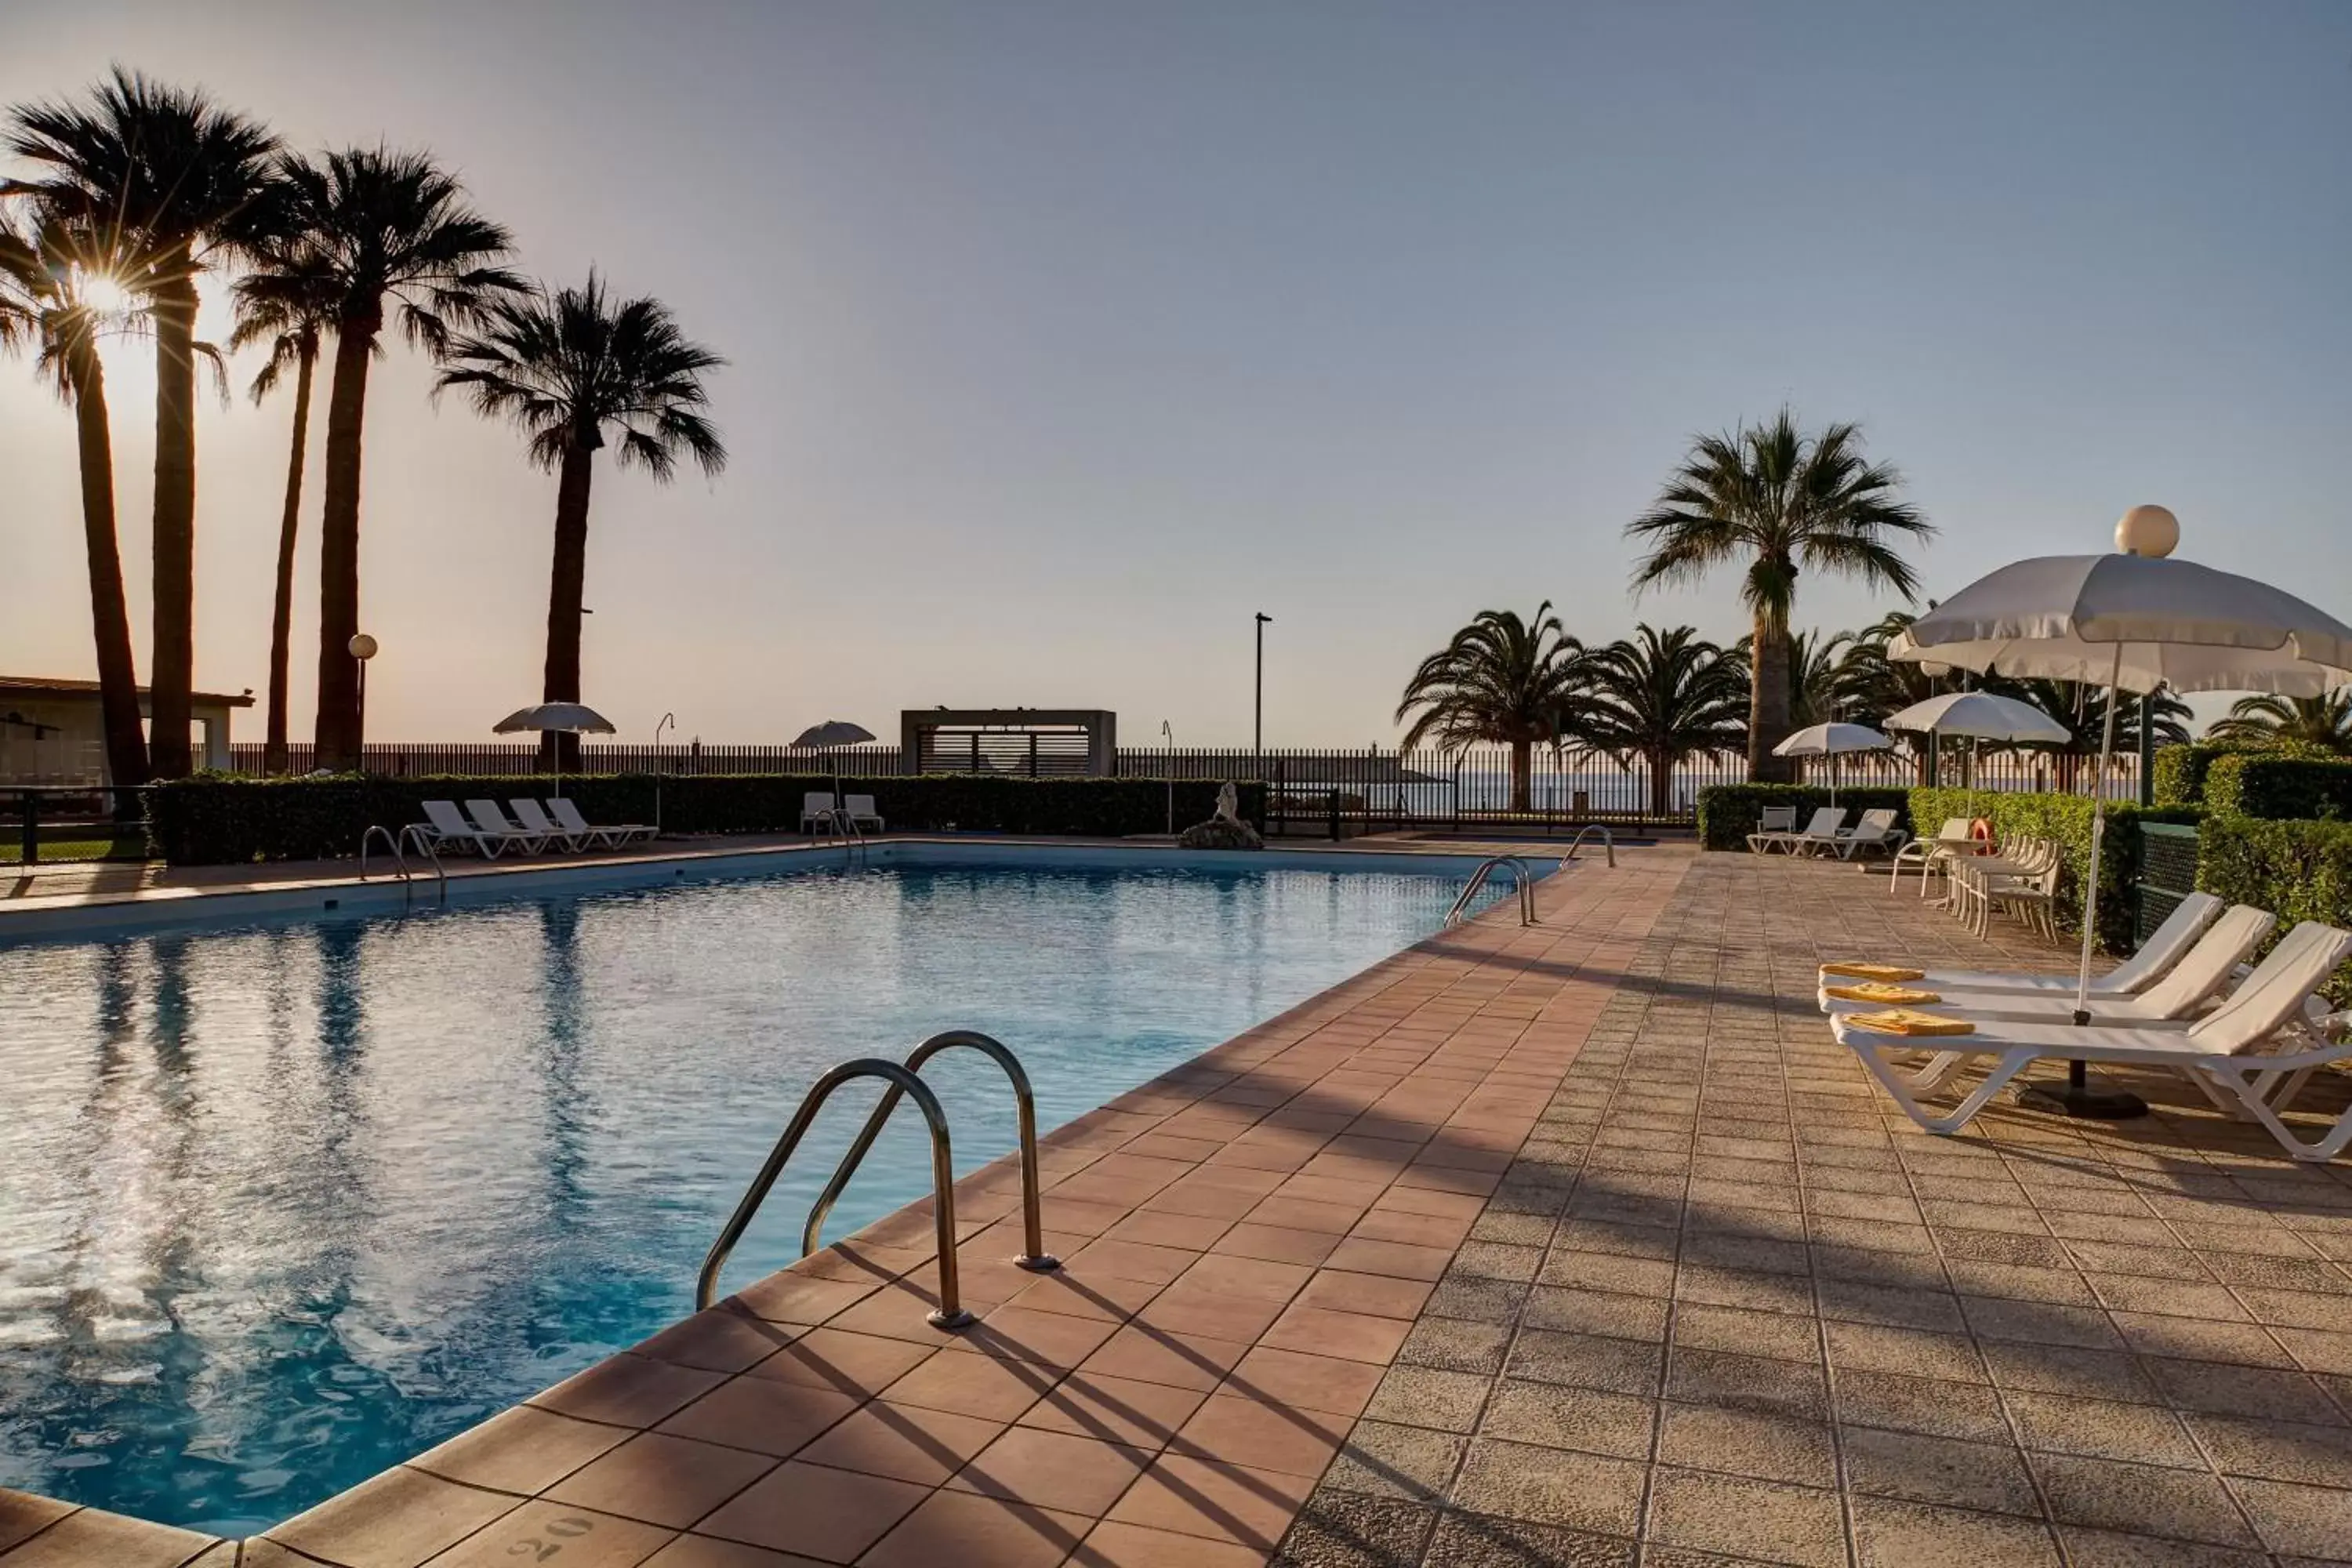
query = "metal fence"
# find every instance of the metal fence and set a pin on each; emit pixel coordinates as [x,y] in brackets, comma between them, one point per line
[1337,790]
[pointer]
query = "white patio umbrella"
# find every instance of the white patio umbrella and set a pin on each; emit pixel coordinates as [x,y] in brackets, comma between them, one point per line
[1980,716]
[1831,741]
[2130,622]
[827,736]
[558,718]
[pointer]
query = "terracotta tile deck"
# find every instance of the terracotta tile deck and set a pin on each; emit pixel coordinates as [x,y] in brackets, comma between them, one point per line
[1578,1244]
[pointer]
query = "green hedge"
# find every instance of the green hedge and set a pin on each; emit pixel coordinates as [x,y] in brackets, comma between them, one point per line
[2180,772]
[2067,818]
[2264,784]
[217,820]
[2298,870]
[1728,813]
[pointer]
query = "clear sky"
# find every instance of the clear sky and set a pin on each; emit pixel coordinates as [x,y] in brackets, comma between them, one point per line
[1066,335]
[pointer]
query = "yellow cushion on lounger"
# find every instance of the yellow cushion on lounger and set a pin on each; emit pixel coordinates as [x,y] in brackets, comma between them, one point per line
[1892,995]
[1891,973]
[1903,1021]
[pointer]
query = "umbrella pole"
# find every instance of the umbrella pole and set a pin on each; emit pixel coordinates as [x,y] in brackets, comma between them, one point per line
[2078,1099]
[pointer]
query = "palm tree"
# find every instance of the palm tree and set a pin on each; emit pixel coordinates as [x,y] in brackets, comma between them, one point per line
[1821,689]
[288,302]
[1782,501]
[392,232]
[43,275]
[2081,708]
[570,368]
[173,176]
[2322,723]
[1499,681]
[1666,697]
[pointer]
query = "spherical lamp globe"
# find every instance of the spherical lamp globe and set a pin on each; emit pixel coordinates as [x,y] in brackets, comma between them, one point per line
[362,646]
[2147,531]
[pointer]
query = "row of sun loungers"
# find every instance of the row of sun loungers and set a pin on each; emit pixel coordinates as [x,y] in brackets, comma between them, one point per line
[2248,1038]
[485,829]
[1826,833]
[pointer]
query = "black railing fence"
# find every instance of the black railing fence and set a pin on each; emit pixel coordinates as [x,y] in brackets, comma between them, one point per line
[1337,790]
[71,822]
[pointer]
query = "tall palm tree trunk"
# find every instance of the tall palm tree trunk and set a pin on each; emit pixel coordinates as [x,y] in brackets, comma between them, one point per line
[338,736]
[1522,775]
[173,672]
[281,617]
[567,588]
[109,613]
[1767,702]
[1661,781]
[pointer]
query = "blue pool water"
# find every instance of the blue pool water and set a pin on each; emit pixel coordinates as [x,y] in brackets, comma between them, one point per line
[285,1203]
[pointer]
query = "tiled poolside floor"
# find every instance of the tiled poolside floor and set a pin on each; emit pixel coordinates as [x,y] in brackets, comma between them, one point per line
[1575,1244]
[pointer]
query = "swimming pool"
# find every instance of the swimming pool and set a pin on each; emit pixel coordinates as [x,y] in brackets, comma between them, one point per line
[288,1201]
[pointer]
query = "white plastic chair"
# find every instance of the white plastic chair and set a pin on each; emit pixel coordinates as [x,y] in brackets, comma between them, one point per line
[816,810]
[859,809]
[1773,822]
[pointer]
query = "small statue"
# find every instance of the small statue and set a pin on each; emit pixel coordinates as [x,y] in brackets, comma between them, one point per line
[1225,830]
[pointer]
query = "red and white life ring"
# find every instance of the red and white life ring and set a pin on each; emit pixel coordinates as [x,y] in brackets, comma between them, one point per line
[1980,830]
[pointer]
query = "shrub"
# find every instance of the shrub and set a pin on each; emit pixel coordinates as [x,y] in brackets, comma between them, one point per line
[218,820]
[2180,772]
[1728,813]
[2067,819]
[2266,784]
[2298,870]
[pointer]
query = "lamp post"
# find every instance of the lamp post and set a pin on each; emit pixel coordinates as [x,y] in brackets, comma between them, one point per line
[1168,734]
[363,649]
[1257,706]
[668,720]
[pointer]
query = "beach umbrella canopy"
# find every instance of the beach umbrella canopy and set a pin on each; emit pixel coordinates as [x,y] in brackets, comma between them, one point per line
[1831,741]
[2129,622]
[2134,622]
[834,733]
[565,718]
[1981,714]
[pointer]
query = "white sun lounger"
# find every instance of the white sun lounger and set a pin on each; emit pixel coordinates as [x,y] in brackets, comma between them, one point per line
[1876,830]
[1821,829]
[444,825]
[1952,840]
[492,820]
[2216,1052]
[859,809]
[534,820]
[612,835]
[2196,980]
[816,809]
[2163,948]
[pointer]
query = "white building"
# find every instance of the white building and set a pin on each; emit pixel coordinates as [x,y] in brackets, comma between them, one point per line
[52,732]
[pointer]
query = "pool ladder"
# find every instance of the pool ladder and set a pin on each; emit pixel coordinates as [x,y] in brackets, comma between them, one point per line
[1520,874]
[410,835]
[838,824]
[1607,842]
[905,1079]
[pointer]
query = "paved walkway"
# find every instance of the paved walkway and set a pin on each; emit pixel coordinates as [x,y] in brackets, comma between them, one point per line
[1576,1244]
[1728,1306]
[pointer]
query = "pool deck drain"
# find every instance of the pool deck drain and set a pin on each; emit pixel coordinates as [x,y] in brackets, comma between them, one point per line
[1578,1244]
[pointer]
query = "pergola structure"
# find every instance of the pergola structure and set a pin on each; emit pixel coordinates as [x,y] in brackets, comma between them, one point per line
[1028,742]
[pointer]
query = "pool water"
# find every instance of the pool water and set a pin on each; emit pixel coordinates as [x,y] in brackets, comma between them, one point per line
[283,1204]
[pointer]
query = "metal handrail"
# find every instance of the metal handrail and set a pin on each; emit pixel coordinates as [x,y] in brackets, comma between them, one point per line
[415,833]
[1607,842]
[399,861]
[1520,874]
[949,1313]
[1037,1260]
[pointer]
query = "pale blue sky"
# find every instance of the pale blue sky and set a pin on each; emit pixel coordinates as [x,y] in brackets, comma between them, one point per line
[1067,335]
